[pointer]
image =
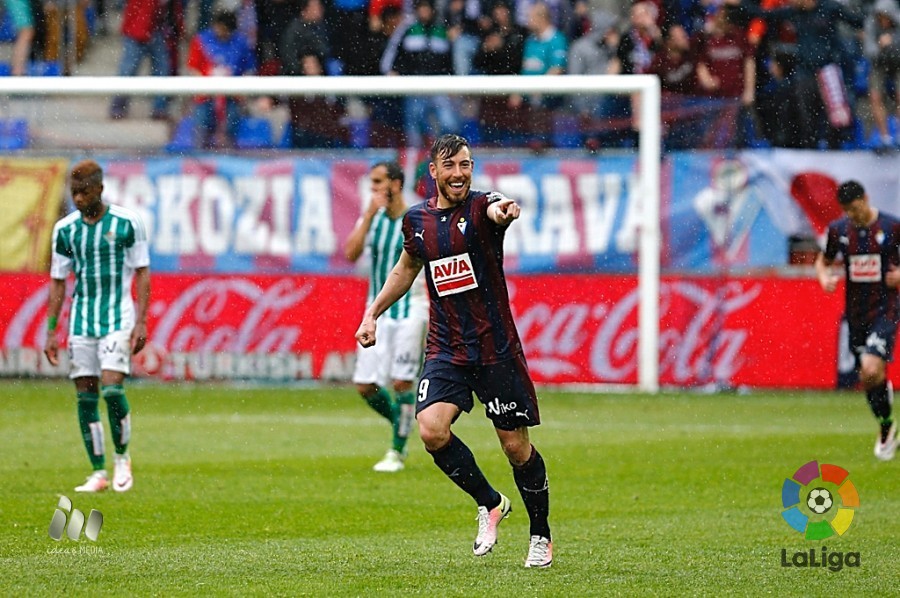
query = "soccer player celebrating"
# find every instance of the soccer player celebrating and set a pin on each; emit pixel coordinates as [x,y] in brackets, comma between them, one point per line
[105,246]
[397,357]
[472,343]
[870,244]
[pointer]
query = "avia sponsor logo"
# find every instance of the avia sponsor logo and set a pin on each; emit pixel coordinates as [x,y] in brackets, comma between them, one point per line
[865,268]
[453,275]
[498,408]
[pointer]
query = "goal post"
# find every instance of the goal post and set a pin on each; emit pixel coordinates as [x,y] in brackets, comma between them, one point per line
[646,87]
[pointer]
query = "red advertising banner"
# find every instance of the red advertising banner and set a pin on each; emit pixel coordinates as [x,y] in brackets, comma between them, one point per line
[753,332]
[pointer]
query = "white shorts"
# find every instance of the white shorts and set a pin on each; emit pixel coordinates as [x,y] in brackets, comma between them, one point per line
[90,355]
[397,354]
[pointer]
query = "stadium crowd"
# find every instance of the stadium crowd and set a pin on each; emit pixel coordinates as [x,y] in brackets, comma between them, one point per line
[734,73]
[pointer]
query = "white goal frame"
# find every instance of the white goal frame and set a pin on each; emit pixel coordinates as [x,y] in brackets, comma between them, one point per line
[646,87]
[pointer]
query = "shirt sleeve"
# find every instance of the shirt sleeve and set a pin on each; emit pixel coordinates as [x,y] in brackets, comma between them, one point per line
[832,246]
[60,256]
[410,244]
[137,248]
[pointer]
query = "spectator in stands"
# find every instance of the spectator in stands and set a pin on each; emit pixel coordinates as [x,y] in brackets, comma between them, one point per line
[545,53]
[273,18]
[348,22]
[778,102]
[561,14]
[502,43]
[144,28]
[499,53]
[23,22]
[675,64]
[726,67]
[640,41]
[316,121]
[306,35]
[224,52]
[638,44]
[820,51]
[377,8]
[882,48]
[385,112]
[591,55]
[465,22]
[420,47]
[689,14]
[306,52]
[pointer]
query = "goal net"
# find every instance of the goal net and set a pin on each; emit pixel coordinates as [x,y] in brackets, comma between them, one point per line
[644,88]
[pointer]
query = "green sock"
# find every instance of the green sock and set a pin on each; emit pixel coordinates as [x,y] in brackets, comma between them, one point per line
[381,403]
[91,428]
[119,416]
[404,413]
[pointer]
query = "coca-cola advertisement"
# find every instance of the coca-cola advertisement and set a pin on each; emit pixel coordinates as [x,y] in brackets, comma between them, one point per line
[741,332]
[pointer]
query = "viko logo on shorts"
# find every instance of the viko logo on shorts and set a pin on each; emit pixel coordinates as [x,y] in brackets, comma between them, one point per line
[66,514]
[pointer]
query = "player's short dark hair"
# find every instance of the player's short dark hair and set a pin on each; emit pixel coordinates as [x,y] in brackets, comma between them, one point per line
[88,171]
[850,191]
[446,146]
[394,171]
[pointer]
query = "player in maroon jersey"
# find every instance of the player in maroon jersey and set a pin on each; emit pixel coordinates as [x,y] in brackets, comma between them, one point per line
[869,242]
[472,345]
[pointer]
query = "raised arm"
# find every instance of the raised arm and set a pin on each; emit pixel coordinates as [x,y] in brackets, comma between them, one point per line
[356,240]
[397,284]
[503,210]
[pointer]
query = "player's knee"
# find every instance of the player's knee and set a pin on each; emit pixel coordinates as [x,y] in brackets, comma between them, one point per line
[366,390]
[402,385]
[517,448]
[870,377]
[111,391]
[434,437]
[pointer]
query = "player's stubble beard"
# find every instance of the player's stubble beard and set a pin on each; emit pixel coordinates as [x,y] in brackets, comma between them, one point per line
[451,195]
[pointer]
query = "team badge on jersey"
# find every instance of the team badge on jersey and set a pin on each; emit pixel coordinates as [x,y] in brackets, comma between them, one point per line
[452,275]
[461,225]
[865,268]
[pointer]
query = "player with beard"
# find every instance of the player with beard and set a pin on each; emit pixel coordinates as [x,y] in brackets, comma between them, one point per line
[472,344]
[394,364]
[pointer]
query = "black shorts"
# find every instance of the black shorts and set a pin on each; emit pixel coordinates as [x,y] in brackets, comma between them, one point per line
[505,389]
[876,339]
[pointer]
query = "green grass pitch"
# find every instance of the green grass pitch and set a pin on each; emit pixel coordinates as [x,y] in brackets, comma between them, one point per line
[269,491]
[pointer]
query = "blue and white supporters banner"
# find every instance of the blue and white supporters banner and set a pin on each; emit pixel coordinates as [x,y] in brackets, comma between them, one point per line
[720,212]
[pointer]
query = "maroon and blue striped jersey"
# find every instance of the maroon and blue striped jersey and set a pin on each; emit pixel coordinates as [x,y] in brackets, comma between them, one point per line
[868,252]
[462,251]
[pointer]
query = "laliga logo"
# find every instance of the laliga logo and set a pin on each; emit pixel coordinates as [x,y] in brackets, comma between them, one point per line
[819,502]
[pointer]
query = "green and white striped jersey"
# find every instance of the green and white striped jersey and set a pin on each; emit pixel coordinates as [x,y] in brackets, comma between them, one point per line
[103,257]
[385,242]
